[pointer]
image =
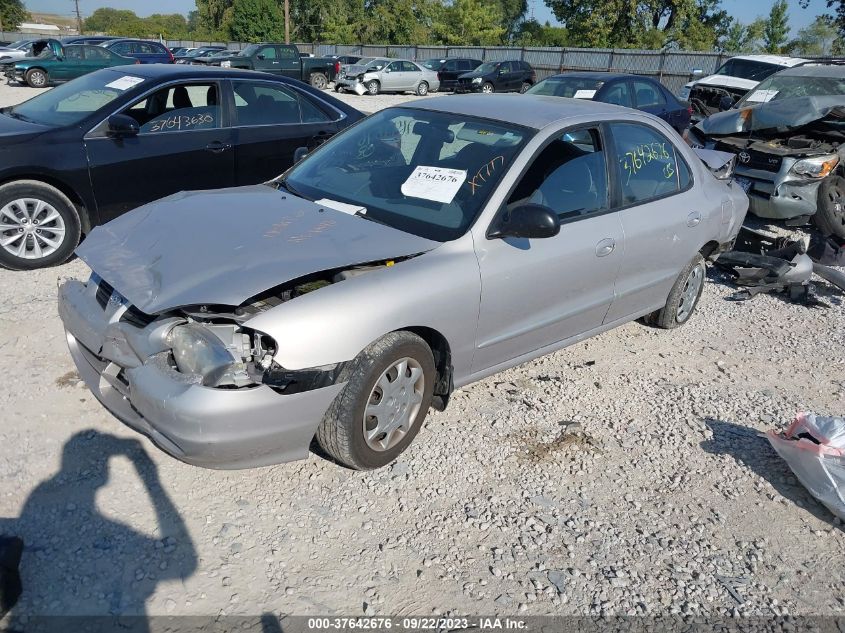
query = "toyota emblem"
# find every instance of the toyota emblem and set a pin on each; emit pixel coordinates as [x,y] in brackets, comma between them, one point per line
[744,158]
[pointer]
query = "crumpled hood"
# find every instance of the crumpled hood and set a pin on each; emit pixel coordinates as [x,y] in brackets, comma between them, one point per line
[357,69]
[726,81]
[782,115]
[223,247]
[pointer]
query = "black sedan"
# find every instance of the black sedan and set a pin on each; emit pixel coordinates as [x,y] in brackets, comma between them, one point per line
[89,150]
[632,91]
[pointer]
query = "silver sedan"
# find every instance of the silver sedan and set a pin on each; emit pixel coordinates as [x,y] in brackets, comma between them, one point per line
[375,75]
[423,249]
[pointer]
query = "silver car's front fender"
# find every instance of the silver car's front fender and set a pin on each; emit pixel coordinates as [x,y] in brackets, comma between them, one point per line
[440,290]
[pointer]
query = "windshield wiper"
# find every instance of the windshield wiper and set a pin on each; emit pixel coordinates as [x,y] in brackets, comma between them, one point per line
[366,216]
[18,116]
[290,189]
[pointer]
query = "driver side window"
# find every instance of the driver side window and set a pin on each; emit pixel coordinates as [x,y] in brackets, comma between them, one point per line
[395,67]
[569,176]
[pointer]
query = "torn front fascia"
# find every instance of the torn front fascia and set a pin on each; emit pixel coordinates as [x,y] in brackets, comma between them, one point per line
[288,382]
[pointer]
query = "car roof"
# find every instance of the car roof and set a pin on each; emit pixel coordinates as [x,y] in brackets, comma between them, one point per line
[780,60]
[183,71]
[131,39]
[534,111]
[814,70]
[600,75]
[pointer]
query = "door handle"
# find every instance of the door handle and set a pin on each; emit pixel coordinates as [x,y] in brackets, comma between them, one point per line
[694,219]
[216,147]
[605,247]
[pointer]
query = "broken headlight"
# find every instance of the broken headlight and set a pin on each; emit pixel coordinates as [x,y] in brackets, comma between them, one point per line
[816,167]
[223,355]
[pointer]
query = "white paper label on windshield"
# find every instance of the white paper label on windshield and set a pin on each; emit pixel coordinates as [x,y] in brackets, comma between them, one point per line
[584,94]
[125,83]
[351,209]
[434,183]
[762,96]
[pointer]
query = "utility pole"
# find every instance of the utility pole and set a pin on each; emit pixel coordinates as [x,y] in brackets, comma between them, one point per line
[78,17]
[287,21]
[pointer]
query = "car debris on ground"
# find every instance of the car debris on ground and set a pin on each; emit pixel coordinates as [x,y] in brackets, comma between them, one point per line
[814,448]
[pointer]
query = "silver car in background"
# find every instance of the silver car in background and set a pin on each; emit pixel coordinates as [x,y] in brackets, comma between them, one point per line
[427,247]
[373,75]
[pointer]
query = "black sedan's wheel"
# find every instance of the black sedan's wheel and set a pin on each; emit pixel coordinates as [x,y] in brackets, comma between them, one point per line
[39,226]
[383,405]
[319,81]
[373,87]
[684,296]
[36,78]
[488,88]
[525,87]
[830,217]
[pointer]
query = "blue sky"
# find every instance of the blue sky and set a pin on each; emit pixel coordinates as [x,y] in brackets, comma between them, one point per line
[742,10]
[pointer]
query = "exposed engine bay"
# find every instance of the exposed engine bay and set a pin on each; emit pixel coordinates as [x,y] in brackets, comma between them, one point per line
[707,99]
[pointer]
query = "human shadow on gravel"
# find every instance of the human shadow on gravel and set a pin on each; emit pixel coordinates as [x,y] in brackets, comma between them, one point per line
[77,561]
[746,446]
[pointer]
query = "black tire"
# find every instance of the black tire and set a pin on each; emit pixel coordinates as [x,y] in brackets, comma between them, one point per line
[668,316]
[341,432]
[488,88]
[525,87]
[422,89]
[830,216]
[36,78]
[338,88]
[373,87]
[319,81]
[10,193]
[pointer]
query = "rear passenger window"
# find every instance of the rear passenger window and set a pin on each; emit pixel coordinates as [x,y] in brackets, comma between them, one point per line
[647,164]
[182,108]
[647,94]
[569,176]
[618,94]
[266,104]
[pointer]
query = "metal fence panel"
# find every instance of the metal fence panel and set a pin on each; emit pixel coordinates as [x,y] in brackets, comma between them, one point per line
[374,51]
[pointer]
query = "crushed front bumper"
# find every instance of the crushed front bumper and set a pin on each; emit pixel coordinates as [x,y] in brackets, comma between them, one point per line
[776,196]
[127,370]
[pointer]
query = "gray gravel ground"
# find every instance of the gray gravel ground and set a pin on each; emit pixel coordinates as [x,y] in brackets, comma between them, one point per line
[624,475]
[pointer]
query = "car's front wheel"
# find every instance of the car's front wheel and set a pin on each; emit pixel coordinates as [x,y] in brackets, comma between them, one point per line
[684,296]
[488,88]
[39,226]
[36,78]
[384,402]
[373,87]
[830,216]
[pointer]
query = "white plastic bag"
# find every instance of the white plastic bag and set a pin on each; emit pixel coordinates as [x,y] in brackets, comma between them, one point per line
[814,448]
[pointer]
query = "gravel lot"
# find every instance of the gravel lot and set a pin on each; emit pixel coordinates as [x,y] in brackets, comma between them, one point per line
[624,475]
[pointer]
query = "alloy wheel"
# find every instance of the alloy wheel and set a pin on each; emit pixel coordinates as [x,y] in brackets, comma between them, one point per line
[31,228]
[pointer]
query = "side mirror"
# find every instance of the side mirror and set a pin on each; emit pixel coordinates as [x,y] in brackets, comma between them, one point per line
[528,221]
[261,56]
[121,125]
[387,70]
[299,154]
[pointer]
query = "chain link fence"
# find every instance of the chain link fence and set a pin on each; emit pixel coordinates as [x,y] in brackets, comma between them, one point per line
[672,68]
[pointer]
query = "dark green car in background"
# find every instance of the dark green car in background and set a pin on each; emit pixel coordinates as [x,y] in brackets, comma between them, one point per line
[59,63]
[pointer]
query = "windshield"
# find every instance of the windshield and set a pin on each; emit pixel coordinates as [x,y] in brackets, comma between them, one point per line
[19,44]
[433,64]
[748,69]
[70,103]
[786,86]
[197,52]
[489,67]
[577,87]
[426,173]
[249,51]
[374,64]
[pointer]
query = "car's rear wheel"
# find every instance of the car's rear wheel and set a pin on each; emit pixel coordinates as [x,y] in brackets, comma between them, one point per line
[382,407]
[830,216]
[36,78]
[525,87]
[373,87]
[684,296]
[39,226]
[319,81]
[422,89]
[487,88]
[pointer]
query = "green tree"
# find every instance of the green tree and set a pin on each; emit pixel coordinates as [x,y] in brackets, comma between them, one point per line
[114,22]
[743,38]
[213,17]
[256,21]
[819,38]
[776,31]
[513,13]
[471,23]
[642,23]
[532,33]
[12,14]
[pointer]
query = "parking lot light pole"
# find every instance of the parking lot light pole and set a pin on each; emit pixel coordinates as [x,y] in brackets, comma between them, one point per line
[287,21]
